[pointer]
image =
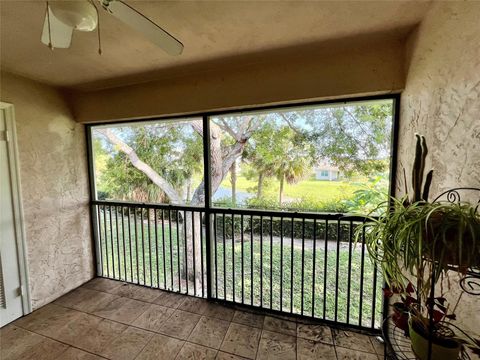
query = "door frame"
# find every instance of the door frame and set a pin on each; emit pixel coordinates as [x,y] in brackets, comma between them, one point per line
[19,223]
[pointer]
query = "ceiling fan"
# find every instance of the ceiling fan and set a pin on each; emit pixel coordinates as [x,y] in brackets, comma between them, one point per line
[62,17]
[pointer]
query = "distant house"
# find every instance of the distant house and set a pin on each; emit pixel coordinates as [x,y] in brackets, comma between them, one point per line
[325,171]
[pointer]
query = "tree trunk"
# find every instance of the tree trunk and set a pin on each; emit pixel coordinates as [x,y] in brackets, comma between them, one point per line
[189,188]
[233,181]
[260,185]
[280,197]
[192,269]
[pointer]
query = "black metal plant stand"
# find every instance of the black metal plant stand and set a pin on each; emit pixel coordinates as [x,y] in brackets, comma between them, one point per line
[397,343]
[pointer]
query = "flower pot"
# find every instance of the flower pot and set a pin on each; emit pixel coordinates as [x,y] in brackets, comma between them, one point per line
[400,316]
[455,255]
[442,349]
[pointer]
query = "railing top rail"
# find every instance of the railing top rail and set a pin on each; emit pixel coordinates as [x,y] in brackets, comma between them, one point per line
[149,205]
[238,211]
[290,214]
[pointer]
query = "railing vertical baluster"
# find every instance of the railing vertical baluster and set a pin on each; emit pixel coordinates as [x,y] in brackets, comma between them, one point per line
[281,264]
[349,270]
[271,262]
[177,213]
[185,245]
[291,267]
[130,244]
[143,244]
[111,241]
[106,238]
[314,266]
[118,243]
[157,265]
[337,265]
[325,271]
[216,253]
[233,257]
[261,261]
[124,244]
[374,300]
[194,257]
[164,256]
[201,252]
[149,246]
[136,243]
[303,266]
[362,268]
[251,260]
[171,246]
[243,258]
[99,222]
[224,259]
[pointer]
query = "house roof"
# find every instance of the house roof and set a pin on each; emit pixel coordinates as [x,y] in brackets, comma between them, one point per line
[325,166]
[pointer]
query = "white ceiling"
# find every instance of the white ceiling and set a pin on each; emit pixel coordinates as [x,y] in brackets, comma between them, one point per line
[210,30]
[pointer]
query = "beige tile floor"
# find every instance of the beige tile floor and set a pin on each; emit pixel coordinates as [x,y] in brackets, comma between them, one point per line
[109,319]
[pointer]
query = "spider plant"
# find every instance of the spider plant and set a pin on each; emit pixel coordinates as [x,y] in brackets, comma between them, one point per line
[422,239]
[417,238]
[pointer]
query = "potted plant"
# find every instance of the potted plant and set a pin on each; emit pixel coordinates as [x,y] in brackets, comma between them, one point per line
[445,345]
[421,240]
[401,308]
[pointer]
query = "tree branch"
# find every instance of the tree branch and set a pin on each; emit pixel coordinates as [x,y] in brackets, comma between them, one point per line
[356,121]
[225,127]
[140,165]
[290,124]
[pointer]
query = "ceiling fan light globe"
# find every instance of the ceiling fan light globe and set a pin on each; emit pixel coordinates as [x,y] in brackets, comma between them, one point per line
[81,15]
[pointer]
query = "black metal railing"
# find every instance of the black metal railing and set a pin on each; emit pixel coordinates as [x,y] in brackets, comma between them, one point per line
[155,246]
[306,264]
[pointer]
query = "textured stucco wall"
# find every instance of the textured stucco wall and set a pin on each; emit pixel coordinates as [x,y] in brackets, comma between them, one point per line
[442,95]
[54,185]
[442,101]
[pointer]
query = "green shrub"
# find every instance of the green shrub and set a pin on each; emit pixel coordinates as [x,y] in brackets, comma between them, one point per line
[304,205]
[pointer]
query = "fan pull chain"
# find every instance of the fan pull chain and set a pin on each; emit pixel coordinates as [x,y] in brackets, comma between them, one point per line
[98,29]
[99,38]
[49,29]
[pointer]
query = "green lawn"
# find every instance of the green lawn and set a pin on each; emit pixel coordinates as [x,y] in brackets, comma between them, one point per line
[270,296]
[142,260]
[310,188]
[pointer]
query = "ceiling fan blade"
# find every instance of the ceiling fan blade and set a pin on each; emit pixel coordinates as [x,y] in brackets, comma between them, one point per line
[145,26]
[60,34]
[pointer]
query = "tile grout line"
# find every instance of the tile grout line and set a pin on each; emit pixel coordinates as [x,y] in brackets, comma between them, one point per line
[133,326]
[118,322]
[59,341]
[143,348]
[144,301]
[297,321]
[153,303]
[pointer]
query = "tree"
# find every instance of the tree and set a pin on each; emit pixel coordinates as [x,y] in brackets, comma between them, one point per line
[294,162]
[168,174]
[277,150]
[355,138]
[175,152]
[262,153]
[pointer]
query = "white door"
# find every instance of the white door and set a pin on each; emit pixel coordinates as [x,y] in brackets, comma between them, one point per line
[11,302]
